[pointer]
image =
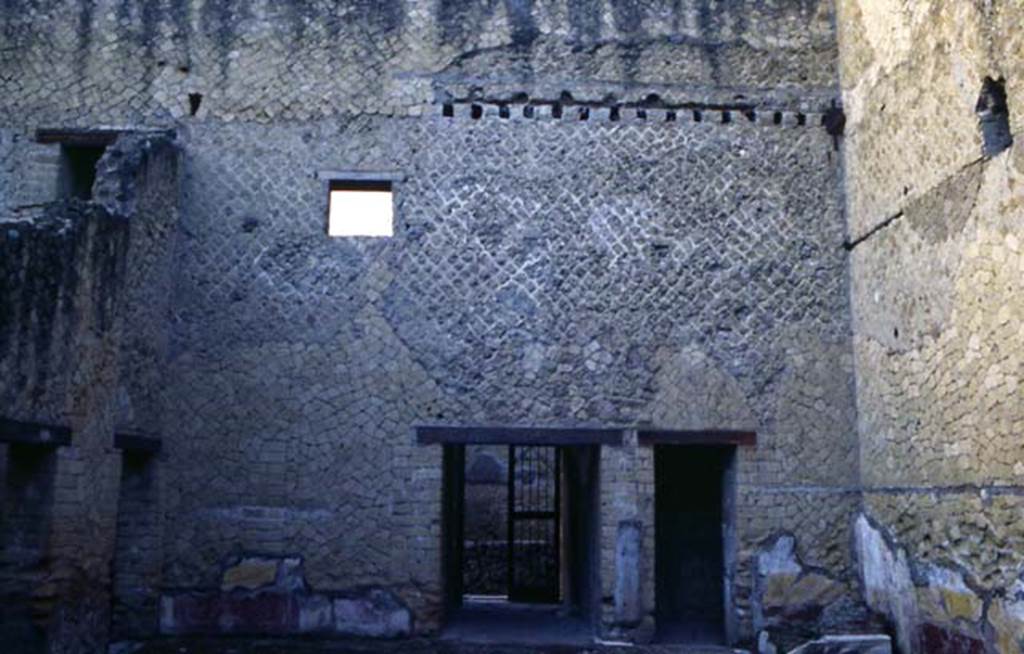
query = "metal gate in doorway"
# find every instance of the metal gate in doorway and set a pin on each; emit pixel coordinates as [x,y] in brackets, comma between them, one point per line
[534,501]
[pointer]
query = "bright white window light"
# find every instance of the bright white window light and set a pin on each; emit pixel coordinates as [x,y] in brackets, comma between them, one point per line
[360,209]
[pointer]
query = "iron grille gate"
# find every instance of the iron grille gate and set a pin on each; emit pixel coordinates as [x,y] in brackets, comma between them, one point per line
[533,523]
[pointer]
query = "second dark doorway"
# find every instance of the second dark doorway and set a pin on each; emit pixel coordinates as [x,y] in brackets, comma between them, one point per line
[689,543]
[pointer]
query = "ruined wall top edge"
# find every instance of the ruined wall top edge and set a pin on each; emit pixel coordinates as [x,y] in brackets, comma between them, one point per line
[139,62]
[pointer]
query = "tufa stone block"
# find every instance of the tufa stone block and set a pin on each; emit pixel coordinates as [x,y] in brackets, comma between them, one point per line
[628,609]
[249,574]
[870,644]
[377,614]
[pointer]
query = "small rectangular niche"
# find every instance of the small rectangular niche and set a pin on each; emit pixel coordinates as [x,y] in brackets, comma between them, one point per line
[78,170]
[360,204]
[80,154]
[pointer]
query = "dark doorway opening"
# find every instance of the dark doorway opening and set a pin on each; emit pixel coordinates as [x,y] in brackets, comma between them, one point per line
[26,516]
[691,526]
[521,534]
[136,567]
[511,525]
[78,170]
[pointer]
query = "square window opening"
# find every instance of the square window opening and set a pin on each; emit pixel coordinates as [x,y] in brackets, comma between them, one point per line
[360,208]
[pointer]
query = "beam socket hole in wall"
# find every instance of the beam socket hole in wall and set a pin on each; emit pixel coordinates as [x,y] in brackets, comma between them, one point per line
[751,115]
[503,111]
[670,116]
[78,170]
[777,118]
[556,110]
[584,113]
[641,114]
[476,111]
[613,114]
[801,119]
[726,117]
[360,208]
[447,110]
[697,116]
[194,101]
[993,117]
[528,111]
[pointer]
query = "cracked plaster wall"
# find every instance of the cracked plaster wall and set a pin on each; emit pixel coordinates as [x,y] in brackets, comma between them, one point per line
[937,310]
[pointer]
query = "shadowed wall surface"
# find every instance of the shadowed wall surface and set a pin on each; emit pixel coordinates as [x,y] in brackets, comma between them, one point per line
[937,311]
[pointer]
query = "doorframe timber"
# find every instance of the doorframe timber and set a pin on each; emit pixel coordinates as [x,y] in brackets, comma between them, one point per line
[506,435]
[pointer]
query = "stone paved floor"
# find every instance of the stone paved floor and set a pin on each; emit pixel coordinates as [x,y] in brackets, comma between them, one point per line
[410,646]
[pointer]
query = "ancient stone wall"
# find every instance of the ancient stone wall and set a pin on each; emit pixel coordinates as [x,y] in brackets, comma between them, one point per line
[611,212]
[60,274]
[539,274]
[936,274]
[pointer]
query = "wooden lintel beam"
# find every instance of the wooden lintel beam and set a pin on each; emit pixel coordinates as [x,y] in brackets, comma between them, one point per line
[137,443]
[84,137]
[696,437]
[25,432]
[491,435]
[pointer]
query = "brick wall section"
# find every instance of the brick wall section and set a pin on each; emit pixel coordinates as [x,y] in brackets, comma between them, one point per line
[141,179]
[32,171]
[937,311]
[53,273]
[7,167]
[64,279]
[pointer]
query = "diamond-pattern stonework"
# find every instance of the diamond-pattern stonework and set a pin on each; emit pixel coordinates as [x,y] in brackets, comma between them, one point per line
[541,271]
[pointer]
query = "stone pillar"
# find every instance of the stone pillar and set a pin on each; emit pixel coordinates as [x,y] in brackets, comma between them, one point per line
[628,604]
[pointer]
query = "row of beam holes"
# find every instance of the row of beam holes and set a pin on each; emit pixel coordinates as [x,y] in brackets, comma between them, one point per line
[476,112]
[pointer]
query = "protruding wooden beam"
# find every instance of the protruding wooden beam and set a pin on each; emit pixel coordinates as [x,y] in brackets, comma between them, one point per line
[134,442]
